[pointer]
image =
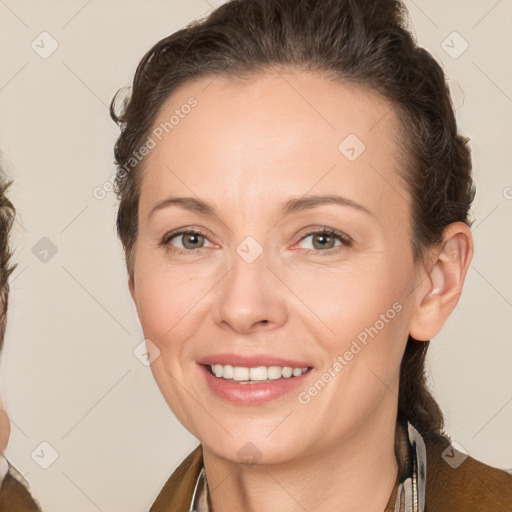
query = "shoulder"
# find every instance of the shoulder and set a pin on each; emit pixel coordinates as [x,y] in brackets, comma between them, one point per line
[457,482]
[177,492]
[14,493]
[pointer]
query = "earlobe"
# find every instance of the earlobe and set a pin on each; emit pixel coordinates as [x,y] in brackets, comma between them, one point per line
[442,286]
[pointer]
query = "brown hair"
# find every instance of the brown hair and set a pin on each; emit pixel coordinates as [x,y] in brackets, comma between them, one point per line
[362,42]
[7,214]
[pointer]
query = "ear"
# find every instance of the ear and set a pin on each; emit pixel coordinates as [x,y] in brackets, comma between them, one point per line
[441,287]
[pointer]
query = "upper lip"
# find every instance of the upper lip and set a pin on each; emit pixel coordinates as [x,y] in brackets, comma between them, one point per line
[251,361]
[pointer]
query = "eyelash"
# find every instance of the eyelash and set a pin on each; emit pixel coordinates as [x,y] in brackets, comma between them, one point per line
[345,240]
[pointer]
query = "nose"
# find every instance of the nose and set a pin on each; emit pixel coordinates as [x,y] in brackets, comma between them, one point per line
[251,298]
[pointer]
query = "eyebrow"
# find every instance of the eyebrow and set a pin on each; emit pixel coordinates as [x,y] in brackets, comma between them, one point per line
[293,205]
[307,202]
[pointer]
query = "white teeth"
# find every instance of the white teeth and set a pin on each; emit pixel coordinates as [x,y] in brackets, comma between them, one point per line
[287,372]
[240,373]
[258,373]
[227,371]
[274,372]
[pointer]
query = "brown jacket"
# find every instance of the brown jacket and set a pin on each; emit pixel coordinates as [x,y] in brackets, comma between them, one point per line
[14,496]
[470,487]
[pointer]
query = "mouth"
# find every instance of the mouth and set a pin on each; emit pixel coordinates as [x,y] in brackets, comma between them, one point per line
[256,374]
[243,390]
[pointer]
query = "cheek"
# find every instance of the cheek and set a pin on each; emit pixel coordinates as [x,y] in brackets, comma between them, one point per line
[356,308]
[346,297]
[167,301]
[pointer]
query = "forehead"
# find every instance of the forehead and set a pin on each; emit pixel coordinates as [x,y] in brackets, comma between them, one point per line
[273,135]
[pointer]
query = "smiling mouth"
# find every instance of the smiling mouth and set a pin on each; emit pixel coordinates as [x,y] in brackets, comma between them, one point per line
[254,375]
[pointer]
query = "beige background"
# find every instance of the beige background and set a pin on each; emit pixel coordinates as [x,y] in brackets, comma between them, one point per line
[68,374]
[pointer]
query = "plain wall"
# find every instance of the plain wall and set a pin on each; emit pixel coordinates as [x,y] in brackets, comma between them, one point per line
[68,373]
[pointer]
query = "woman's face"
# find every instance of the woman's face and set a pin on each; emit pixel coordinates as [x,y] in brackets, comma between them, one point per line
[260,279]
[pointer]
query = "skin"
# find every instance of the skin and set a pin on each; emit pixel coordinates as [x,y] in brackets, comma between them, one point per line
[5,429]
[247,148]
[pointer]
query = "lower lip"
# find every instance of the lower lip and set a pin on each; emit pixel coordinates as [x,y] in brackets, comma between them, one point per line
[253,394]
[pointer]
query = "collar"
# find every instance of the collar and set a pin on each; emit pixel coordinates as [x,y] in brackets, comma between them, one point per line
[199,502]
[410,494]
[4,468]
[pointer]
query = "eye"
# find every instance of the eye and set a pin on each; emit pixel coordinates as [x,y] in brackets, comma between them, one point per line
[187,241]
[325,241]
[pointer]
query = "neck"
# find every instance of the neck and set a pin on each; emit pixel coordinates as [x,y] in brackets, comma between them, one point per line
[358,474]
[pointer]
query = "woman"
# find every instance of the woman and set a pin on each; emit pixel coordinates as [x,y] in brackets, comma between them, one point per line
[294,202]
[14,493]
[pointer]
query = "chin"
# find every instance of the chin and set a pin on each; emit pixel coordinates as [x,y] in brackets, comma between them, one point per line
[250,452]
